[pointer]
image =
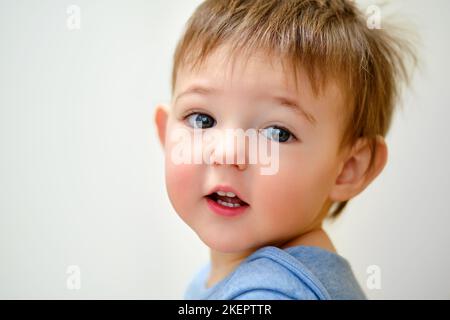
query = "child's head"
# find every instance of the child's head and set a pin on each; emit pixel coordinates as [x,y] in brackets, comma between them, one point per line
[312,78]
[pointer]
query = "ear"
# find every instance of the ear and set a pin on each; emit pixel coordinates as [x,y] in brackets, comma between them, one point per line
[355,174]
[161,116]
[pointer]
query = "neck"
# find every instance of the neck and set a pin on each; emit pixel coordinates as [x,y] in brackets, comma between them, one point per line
[223,264]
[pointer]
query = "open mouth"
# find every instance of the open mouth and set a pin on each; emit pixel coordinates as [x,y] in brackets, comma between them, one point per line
[227,199]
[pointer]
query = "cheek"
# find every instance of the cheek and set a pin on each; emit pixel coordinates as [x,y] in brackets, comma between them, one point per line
[181,185]
[296,193]
[177,178]
[284,198]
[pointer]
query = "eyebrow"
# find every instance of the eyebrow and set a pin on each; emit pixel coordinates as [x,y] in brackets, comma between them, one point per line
[282,100]
[197,89]
[292,105]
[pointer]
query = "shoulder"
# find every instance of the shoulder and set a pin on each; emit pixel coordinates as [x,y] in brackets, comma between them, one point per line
[273,274]
[263,294]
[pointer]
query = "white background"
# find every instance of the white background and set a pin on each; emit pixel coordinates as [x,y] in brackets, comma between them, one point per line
[81,170]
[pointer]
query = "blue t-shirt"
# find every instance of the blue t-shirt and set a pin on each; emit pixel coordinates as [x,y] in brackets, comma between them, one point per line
[271,273]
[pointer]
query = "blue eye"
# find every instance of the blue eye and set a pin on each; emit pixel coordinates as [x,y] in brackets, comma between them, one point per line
[200,121]
[278,134]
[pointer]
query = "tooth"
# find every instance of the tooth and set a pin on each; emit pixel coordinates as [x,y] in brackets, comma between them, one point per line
[221,193]
[231,194]
[227,204]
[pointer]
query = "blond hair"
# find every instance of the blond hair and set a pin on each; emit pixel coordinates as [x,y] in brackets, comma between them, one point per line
[329,39]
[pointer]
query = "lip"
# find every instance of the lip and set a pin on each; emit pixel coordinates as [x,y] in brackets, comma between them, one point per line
[224,211]
[221,210]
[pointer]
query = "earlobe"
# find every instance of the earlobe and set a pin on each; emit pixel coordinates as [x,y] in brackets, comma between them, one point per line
[356,173]
[161,117]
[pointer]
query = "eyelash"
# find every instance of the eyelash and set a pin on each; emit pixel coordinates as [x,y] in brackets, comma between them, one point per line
[279,127]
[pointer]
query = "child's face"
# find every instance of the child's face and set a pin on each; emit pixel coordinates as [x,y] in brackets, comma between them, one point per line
[281,206]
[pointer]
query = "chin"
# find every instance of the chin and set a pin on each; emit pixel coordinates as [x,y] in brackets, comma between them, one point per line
[225,244]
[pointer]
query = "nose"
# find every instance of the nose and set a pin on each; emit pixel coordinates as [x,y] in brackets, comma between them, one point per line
[231,150]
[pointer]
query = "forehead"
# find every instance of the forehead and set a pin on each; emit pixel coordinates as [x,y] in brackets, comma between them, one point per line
[238,75]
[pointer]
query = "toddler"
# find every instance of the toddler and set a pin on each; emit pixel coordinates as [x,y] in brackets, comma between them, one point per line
[277,119]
